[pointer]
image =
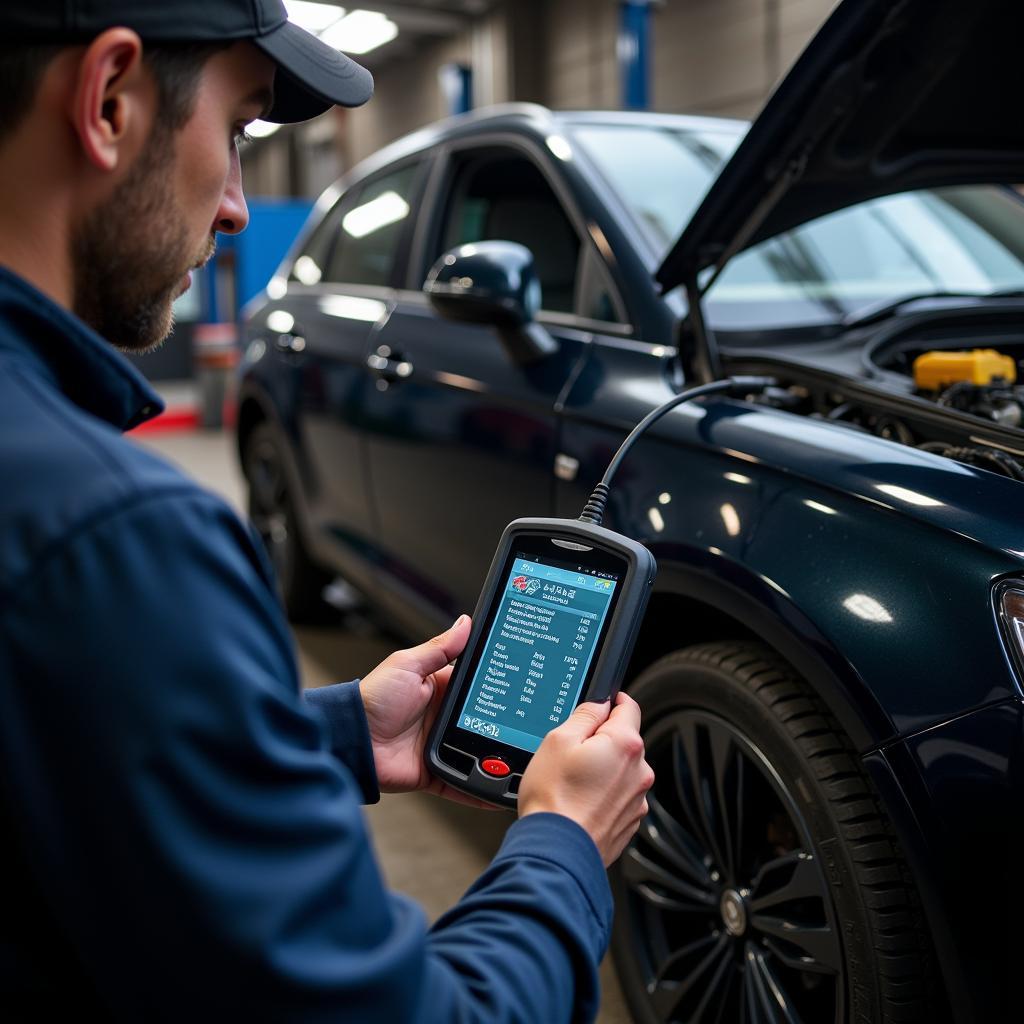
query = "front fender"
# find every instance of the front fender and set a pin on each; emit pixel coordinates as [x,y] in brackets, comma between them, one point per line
[701,596]
[890,593]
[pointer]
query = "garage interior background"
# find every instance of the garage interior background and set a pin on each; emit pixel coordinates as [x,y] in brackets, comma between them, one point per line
[434,58]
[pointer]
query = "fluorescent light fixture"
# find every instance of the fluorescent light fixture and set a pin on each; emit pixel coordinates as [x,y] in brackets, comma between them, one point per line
[360,32]
[260,129]
[656,518]
[387,208]
[738,478]
[313,17]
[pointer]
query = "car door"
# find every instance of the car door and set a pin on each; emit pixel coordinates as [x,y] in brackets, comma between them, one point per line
[462,437]
[341,288]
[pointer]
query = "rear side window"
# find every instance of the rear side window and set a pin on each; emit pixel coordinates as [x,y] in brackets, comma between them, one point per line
[504,196]
[368,227]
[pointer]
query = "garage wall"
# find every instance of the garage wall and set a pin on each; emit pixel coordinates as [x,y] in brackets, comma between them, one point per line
[581,69]
[408,92]
[707,57]
[724,56]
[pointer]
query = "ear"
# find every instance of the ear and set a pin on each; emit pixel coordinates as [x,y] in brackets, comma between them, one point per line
[114,100]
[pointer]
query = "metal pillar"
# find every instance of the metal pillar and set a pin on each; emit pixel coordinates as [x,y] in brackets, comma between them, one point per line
[457,86]
[634,53]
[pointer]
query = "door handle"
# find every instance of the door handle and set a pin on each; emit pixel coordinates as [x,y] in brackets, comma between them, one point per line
[290,342]
[389,366]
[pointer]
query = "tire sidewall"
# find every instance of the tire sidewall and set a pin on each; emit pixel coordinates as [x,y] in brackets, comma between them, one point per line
[682,682]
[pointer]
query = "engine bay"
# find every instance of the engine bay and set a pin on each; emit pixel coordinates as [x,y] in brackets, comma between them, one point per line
[947,385]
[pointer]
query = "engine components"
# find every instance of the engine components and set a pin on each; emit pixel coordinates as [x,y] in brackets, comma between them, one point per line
[985,458]
[934,371]
[980,382]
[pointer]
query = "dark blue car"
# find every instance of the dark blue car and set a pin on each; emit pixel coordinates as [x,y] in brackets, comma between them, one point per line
[831,664]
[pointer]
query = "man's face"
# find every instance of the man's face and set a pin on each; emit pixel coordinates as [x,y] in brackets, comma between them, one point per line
[133,253]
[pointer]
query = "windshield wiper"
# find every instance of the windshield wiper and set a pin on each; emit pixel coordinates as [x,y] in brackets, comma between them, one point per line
[887,307]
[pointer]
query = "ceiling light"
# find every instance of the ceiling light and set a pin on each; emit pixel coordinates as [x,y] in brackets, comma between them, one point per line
[360,32]
[311,16]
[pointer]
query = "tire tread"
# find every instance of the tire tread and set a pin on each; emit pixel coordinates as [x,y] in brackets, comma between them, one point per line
[901,939]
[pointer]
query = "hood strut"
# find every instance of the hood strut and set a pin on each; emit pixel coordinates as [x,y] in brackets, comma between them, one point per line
[702,362]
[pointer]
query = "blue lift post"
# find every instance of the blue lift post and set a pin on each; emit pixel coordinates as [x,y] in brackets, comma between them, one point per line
[457,85]
[634,54]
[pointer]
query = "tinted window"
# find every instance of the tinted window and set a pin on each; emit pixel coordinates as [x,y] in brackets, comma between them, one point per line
[506,197]
[368,227]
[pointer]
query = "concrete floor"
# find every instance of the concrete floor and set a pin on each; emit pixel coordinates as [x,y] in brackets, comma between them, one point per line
[428,848]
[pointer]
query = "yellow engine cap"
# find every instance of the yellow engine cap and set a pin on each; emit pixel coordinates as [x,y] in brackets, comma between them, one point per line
[935,370]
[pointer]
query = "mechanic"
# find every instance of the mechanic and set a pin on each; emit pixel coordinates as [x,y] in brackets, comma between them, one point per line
[181,831]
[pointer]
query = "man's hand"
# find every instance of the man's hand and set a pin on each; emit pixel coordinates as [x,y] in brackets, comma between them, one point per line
[592,770]
[402,696]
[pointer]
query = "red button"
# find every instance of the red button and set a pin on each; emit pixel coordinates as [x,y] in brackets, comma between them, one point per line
[494,766]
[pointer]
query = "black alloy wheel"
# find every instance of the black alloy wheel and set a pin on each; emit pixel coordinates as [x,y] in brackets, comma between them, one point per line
[764,885]
[300,581]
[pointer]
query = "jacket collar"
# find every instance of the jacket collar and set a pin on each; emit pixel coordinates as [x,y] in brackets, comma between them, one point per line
[87,369]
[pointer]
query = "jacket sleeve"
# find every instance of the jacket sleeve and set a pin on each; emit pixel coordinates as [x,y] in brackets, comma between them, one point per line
[196,838]
[340,708]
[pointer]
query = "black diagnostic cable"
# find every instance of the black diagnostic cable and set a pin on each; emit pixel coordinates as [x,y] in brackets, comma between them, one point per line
[593,511]
[481,743]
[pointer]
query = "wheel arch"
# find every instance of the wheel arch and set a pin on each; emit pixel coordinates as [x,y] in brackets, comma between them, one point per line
[700,601]
[254,408]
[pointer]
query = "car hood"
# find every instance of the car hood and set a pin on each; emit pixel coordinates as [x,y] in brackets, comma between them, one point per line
[890,95]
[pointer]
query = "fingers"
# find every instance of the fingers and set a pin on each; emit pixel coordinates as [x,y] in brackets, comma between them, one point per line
[585,720]
[625,714]
[435,653]
[623,726]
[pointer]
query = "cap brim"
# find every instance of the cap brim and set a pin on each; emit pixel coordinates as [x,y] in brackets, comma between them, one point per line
[312,76]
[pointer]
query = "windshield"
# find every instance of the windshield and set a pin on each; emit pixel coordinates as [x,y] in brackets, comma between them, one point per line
[961,240]
[661,172]
[968,239]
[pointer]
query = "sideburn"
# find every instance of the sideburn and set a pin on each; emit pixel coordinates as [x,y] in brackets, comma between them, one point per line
[130,253]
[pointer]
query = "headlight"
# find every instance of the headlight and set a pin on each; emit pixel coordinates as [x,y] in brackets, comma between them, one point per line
[1010,609]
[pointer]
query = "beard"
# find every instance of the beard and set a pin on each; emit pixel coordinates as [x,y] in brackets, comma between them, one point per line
[131,253]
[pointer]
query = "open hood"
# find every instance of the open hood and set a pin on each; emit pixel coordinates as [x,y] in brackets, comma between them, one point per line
[890,95]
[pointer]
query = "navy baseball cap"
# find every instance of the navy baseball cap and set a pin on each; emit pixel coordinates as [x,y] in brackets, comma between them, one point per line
[311,76]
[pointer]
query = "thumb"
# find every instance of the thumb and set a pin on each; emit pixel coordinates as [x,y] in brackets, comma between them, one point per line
[586,719]
[435,653]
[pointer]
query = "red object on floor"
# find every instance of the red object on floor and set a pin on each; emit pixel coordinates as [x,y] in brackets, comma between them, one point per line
[181,418]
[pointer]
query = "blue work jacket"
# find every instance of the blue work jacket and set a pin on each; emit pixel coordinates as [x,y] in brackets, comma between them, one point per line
[180,831]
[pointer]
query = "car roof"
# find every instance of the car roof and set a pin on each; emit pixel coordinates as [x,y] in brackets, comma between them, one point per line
[528,118]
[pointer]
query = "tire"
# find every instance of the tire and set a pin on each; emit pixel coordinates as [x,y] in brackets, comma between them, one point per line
[774,890]
[300,580]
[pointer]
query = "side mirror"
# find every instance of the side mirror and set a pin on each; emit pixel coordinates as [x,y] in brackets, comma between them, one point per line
[492,283]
